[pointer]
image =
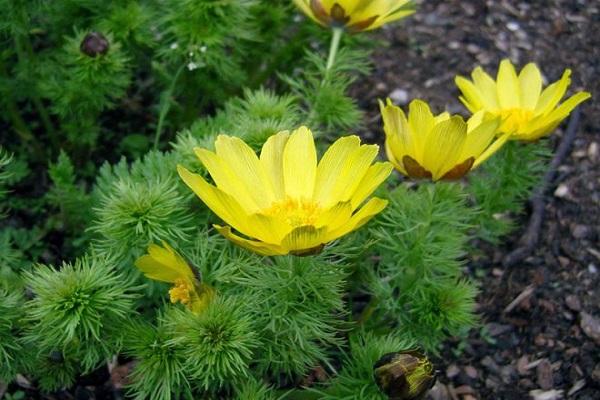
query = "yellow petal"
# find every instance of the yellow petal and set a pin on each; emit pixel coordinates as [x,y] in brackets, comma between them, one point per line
[544,124]
[401,9]
[203,295]
[497,145]
[376,174]
[552,94]
[304,6]
[567,106]
[392,158]
[397,131]
[226,179]
[267,228]
[421,122]
[244,163]
[264,249]
[487,87]
[221,203]
[444,145]
[335,217]
[332,162]
[530,82]
[479,137]
[368,211]
[445,116]
[154,270]
[164,264]
[300,164]
[351,174]
[271,158]
[508,86]
[471,97]
[304,238]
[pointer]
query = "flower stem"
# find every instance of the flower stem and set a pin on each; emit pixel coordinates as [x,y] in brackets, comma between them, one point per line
[165,106]
[335,45]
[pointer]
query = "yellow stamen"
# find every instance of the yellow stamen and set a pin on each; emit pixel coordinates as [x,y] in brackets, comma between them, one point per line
[295,212]
[514,119]
[181,292]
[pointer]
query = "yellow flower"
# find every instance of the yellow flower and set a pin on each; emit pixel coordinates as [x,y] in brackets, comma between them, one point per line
[437,147]
[165,265]
[528,113]
[284,202]
[355,15]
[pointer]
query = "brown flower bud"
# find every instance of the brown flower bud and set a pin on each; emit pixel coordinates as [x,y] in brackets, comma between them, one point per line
[94,43]
[406,375]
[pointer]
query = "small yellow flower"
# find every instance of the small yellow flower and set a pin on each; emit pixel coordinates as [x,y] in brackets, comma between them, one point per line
[164,264]
[355,15]
[527,112]
[283,201]
[437,147]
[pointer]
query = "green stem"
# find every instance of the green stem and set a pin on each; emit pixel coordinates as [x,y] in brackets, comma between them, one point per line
[335,45]
[165,106]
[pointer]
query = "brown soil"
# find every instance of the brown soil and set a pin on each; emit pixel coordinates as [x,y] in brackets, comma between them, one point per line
[543,346]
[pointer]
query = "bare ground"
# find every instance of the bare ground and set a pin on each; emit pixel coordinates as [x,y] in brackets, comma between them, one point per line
[546,344]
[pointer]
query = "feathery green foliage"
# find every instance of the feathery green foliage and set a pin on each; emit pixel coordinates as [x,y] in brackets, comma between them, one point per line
[502,184]
[70,198]
[355,380]
[10,348]
[218,344]
[160,369]
[298,309]
[255,117]
[79,310]
[421,239]
[253,389]
[324,92]
[55,370]
[140,205]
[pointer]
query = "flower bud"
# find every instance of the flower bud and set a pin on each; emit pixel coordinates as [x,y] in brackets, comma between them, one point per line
[406,375]
[56,356]
[94,43]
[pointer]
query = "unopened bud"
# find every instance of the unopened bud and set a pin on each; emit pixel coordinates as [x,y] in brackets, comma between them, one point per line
[56,356]
[94,43]
[406,375]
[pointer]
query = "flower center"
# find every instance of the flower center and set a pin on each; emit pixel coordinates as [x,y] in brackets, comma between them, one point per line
[296,212]
[180,292]
[515,119]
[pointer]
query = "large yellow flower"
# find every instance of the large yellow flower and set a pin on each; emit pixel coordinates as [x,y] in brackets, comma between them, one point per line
[528,113]
[284,202]
[355,15]
[164,264]
[437,147]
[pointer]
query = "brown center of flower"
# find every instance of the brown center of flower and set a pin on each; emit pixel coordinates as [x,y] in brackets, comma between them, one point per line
[295,212]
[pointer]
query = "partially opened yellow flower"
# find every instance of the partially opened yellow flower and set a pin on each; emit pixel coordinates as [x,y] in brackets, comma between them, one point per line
[528,113]
[283,201]
[442,147]
[164,264]
[355,15]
